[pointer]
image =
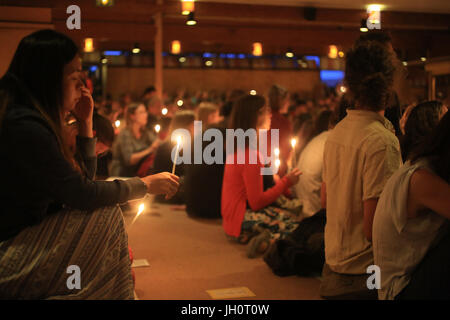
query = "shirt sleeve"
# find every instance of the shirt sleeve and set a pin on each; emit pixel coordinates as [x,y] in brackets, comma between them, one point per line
[86,150]
[256,196]
[45,171]
[378,167]
[126,147]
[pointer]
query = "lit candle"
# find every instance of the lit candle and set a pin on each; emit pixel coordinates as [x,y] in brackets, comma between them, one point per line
[117,123]
[164,111]
[293,143]
[141,209]
[180,103]
[277,152]
[176,154]
[157,128]
[277,163]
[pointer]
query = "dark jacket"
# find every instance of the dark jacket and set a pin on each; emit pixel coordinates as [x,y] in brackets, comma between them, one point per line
[36,179]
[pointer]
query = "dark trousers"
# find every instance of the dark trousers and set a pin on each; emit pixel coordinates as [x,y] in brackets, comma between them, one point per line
[431,278]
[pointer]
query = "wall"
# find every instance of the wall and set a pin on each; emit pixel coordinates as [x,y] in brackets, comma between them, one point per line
[135,80]
[16,23]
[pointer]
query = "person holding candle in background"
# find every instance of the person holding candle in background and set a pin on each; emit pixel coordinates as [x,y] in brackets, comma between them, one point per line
[163,157]
[54,214]
[134,143]
[259,223]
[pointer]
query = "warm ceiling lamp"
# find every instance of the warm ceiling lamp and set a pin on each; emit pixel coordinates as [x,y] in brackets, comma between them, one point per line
[88,45]
[363,27]
[332,52]
[374,19]
[176,47]
[191,19]
[136,48]
[105,3]
[257,49]
[187,6]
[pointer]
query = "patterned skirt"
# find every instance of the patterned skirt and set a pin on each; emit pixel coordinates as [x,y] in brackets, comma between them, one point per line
[72,254]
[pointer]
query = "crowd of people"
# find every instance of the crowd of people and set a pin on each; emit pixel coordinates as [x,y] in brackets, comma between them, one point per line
[365,183]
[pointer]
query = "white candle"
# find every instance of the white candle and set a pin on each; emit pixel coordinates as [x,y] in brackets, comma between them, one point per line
[293,143]
[176,154]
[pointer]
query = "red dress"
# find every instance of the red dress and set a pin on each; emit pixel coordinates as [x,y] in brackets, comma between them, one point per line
[243,183]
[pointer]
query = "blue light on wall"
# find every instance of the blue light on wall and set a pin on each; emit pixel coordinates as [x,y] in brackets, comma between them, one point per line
[209,55]
[314,58]
[93,68]
[241,56]
[331,77]
[112,53]
[231,56]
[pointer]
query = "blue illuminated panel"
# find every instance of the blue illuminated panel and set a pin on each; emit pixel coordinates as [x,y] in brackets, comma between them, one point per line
[331,77]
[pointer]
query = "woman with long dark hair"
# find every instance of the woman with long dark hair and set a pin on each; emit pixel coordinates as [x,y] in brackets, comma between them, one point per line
[411,235]
[246,207]
[55,218]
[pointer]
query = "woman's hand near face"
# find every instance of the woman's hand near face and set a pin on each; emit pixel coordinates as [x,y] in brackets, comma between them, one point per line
[84,111]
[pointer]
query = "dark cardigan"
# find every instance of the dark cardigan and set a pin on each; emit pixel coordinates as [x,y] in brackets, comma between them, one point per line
[36,180]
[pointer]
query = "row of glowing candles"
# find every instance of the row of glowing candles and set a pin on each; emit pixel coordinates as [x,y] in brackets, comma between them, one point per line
[277,164]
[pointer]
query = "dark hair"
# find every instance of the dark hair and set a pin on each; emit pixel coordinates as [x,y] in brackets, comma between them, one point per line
[35,78]
[300,120]
[382,37]
[103,128]
[369,74]
[131,110]
[323,122]
[421,122]
[393,112]
[149,90]
[227,107]
[246,111]
[436,148]
[276,94]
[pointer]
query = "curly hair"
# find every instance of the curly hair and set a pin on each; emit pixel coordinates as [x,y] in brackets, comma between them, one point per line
[421,121]
[369,75]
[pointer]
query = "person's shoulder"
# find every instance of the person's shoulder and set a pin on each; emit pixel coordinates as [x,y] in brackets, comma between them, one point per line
[27,120]
[380,137]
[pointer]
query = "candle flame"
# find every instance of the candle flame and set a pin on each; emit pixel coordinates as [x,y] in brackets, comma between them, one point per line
[141,209]
[117,123]
[157,128]
[277,152]
[293,142]
[178,140]
[164,111]
[277,163]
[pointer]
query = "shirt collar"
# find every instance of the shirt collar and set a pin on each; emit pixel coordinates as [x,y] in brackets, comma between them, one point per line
[371,115]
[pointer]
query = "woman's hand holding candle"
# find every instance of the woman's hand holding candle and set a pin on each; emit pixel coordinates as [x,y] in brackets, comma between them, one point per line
[294,176]
[162,183]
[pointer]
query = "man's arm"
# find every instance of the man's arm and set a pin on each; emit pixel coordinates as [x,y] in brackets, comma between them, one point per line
[370,205]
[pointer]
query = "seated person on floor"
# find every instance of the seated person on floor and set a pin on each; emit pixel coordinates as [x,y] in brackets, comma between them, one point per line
[243,184]
[54,213]
[133,144]
[360,154]
[310,164]
[163,156]
[411,234]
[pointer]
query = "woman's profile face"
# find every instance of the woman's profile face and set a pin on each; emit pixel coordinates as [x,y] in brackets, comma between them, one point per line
[140,116]
[72,84]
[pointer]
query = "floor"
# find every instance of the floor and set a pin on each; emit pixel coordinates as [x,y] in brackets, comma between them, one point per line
[189,256]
